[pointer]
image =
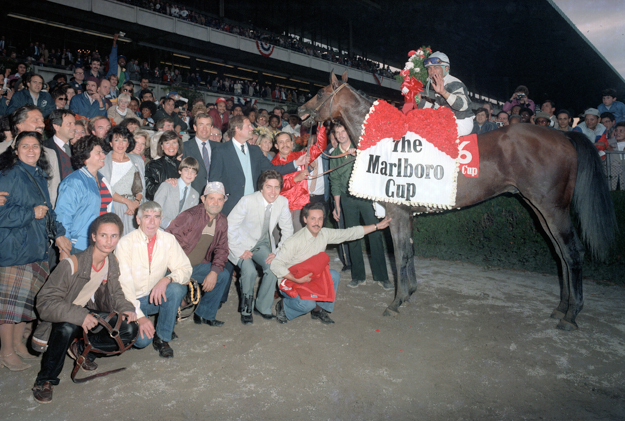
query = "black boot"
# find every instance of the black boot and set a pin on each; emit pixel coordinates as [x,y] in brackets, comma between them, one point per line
[247,306]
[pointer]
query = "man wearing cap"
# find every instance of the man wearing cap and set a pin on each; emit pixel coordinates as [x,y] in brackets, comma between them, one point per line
[219,115]
[202,232]
[89,104]
[449,92]
[543,119]
[591,126]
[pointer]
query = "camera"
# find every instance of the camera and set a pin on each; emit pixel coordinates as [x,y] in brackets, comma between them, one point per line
[499,123]
[122,34]
[520,95]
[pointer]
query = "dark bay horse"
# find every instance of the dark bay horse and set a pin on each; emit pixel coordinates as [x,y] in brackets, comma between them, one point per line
[550,170]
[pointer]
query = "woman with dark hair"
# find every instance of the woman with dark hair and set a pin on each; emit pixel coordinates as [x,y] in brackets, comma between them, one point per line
[165,167]
[126,174]
[84,194]
[27,225]
[148,109]
[81,131]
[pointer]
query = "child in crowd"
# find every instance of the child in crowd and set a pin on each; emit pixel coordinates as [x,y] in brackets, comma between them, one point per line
[179,196]
[617,108]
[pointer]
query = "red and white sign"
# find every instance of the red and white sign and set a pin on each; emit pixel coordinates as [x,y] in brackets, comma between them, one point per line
[469,156]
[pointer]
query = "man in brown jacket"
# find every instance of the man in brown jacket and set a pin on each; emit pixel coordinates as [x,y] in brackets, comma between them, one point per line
[81,285]
[202,232]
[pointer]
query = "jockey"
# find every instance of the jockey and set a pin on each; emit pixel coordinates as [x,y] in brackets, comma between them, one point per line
[449,92]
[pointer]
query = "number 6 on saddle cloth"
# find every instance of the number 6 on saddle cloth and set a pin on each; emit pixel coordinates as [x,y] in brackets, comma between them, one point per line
[113,331]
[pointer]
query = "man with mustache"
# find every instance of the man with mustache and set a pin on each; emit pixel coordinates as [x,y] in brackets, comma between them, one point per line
[298,249]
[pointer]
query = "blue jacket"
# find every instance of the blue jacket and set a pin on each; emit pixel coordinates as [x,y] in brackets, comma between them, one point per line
[23,239]
[81,106]
[78,205]
[21,98]
[617,108]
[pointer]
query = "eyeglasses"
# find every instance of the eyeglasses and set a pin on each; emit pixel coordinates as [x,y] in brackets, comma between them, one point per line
[125,90]
[432,61]
[62,99]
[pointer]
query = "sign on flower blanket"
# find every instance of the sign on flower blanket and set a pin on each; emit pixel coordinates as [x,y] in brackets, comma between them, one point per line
[409,158]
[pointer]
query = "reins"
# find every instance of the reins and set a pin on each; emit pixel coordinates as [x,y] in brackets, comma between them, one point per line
[313,114]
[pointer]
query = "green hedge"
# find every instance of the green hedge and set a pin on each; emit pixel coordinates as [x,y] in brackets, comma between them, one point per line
[503,233]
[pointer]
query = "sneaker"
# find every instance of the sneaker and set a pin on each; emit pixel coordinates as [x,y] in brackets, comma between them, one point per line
[387,285]
[355,283]
[42,393]
[322,316]
[163,348]
[87,364]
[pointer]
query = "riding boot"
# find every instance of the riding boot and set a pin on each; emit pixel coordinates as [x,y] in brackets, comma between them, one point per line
[247,306]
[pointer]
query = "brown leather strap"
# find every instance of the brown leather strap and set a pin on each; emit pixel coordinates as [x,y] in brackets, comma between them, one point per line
[114,333]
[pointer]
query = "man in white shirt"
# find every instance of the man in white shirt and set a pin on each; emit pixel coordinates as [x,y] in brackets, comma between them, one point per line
[306,243]
[250,225]
[154,273]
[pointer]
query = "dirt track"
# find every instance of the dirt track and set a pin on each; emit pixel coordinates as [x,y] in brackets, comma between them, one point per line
[473,344]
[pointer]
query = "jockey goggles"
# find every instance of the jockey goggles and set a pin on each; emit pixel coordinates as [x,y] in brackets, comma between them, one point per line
[434,61]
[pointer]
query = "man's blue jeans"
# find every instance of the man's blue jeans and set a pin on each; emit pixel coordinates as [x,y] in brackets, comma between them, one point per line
[207,308]
[295,306]
[167,313]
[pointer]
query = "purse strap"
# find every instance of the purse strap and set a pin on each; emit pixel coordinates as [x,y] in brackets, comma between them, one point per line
[38,188]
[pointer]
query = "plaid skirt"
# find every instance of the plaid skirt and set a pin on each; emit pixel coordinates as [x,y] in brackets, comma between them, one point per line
[18,287]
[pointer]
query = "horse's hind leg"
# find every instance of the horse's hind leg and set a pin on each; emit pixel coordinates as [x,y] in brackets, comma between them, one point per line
[557,223]
[401,231]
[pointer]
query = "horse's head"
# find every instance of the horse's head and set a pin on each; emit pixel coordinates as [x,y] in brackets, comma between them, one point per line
[326,105]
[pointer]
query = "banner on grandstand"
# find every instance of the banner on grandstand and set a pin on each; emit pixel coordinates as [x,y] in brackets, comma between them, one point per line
[377,78]
[407,159]
[239,100]
[264,48]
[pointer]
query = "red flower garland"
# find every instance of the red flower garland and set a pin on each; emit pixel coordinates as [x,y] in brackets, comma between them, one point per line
[436,126]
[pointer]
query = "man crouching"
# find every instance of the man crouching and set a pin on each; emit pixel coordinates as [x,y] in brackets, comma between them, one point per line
[304,245]
[145,256]
[85,283]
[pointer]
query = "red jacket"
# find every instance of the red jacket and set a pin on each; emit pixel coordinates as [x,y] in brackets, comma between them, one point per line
[187,228]
[218,121]
[320,288]
[298,193]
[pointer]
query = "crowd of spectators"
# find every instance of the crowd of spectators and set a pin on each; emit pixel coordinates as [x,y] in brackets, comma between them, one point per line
[284,41]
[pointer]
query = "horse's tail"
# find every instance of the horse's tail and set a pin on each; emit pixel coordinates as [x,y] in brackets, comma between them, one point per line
[591,198]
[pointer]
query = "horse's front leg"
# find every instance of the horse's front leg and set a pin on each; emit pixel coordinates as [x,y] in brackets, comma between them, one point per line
[404,256]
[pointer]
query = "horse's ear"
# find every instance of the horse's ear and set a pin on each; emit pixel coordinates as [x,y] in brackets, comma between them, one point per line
[334,82]
[344,77]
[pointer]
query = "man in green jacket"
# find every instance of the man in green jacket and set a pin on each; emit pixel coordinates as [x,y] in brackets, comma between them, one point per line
[355,209]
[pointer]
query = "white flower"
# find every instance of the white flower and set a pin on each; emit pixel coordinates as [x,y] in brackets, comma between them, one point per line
[409,65]
[404,90]
[417,70]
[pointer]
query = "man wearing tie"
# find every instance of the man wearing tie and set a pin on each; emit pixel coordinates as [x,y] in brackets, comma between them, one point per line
[63,124]
[201,149]
[240,164]
[250,225]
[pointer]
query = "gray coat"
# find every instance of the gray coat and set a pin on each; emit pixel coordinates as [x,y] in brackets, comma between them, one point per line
[168,197]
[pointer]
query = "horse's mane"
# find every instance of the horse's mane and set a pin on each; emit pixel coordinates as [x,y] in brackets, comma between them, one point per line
[365,96]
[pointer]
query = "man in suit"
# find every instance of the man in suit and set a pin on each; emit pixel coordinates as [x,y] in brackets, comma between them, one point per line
[250,225]
[201,148]
[238,165]
[63,124]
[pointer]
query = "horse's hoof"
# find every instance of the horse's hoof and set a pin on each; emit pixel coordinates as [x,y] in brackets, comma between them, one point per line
[557,315]
[389,312]
[566,325]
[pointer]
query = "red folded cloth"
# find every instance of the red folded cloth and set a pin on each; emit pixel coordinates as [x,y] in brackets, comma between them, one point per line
[320,288]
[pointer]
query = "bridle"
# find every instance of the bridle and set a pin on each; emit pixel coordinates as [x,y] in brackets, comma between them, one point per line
[313,113]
